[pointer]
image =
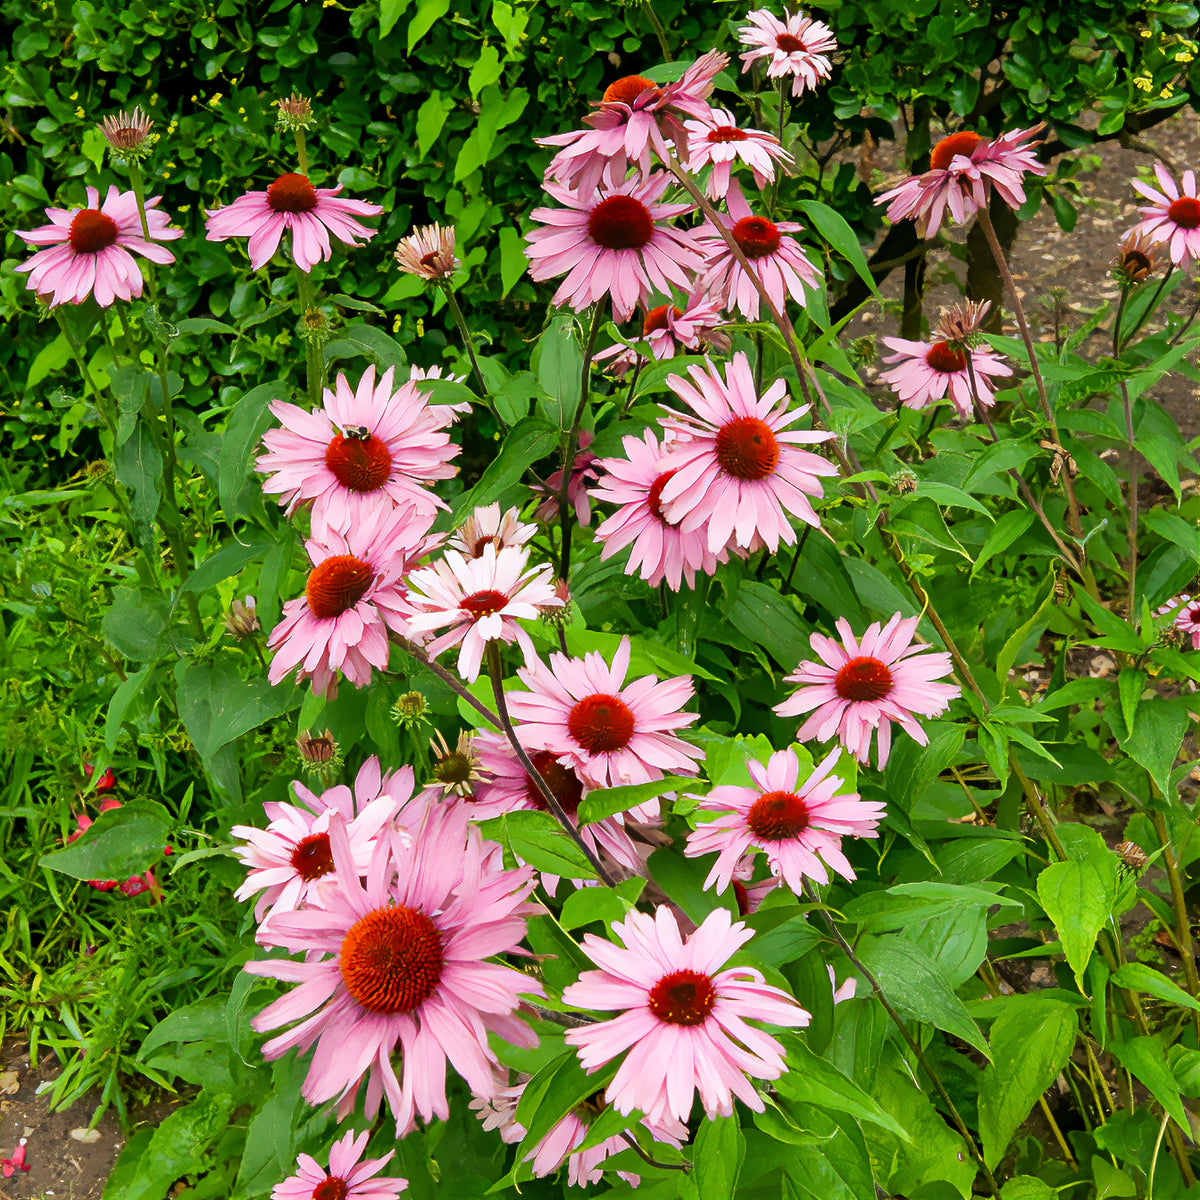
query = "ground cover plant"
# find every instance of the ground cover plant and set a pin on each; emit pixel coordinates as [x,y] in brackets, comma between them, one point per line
[630,753]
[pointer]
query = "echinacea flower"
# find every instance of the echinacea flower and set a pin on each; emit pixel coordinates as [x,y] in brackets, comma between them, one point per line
[739,471]
[352,598]
[127,134]
[668,329]
[90,250]
[798,824]
[487,526]
[926,372]
[428,252]
[1172,218]
[718,142]
[615,243]
[375,444]
[292,204]
[481,599]
[962,169]
[395,970]
[1136,259]
[797,46]
[1187,618]
[636,119]
[290,859]
[348,1177]
[583,473]
[777,260]
[610,731]
[683,1021]
[660,549]
[861,686]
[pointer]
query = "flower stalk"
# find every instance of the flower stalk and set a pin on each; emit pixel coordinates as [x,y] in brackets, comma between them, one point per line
[571,443]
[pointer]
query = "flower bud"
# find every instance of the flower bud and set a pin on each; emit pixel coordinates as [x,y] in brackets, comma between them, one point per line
[294,112]
[128,135]
[242,620]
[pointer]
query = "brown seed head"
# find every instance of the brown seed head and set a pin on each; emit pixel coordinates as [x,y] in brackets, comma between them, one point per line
[128,134]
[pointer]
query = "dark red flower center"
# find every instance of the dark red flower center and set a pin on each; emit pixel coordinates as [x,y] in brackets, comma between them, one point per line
[91,231]
[392,959]
[654,496]
[1185,212]
[742,895]
[562,781]
[291,194]
[947,359]
[330,1188]
[360,464]
[312,857]
[620,223]
[747,449]
[756,236]
[863,678]
[656,318]
[777,816]
[483,604]
[963,142]
[337,585]
[1193,614]
[627,89]
[601,723]
[726,133]
[683,998]
[789,43]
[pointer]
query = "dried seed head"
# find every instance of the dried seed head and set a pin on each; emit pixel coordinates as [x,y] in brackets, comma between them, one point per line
[558,616]
[1132,855]
[1136,260]
[128,134]
[960,325]
[242,619]
[320,755]
[295,112]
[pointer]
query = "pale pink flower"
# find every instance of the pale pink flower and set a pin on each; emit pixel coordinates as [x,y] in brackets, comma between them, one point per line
[292,203]
[778,261]
[348,1177]
[682,1020]
[747,892]
[428,252]
[1187,619]
[1172,218]
[352,598]
[739,471]
[583,473]
[666,331]
[636,119]
[611,732]
[487,526]
[481,599]
[926,372]
[613,243]
[860,687]
[962,169]
[398,965]
[718,142]
[660,550]
[797,46]
[377,444]
[290,859]
[797,824]
[88,249]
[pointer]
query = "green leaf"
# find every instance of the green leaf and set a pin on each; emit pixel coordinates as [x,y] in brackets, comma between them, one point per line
[431,116]
[1140,978]
[916,988]
[904,904]
[606,802]
[390,11]
[588,905]
[1077,897]
[766,617]
[1028,1187]
[120,843]
[552,1093]
[527,441]
[537,838]
[512,258]
[138,465]
[136,623]
[247,423]
[487,69]
[429,12]
[226,561]
[1035,624]
[1156,741]
[558,363]
[49,358]
[202,1021]
[837,231]
[1130,684]
[1118,634]
[118,706]
[217,705]
[1145,1058]
[269,1152]
[1031,1042]
[950,497]
[1007,530]
[718,1154]
[912,767]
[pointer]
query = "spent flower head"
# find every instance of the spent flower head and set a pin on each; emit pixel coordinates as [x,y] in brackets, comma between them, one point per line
[128,135]
[455,771]
[1136,259]
[961,324]
[428,252]
[320,755]
[242,620]
[294,112]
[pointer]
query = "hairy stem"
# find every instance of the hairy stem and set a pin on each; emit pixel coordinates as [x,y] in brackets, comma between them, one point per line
[461,322]
[1183,924]
[314,354]
[659,31]
[1131,529]
[571,443]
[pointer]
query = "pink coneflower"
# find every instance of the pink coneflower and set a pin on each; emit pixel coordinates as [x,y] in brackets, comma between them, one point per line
[488,526]
[613,243]
[613,733]
[89,249]
[292,203]
[683,1021]
[719,142]
[377,443]
[778,261]
[1187,618]
[797,46]
[1172,218]
[583,474]
[636,119]
[290,859]
[481,599]
[666,331]
[740,470]
[926,371]
[962,167]
[428,252]
[352,598]
[348,1178]
[862,686]
[660,549]
[397,964]
[797,824]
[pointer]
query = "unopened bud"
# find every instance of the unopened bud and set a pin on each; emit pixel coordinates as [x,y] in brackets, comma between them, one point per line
[315,327]
[320,755]
[411,710]
[904,481]
[295,112]
[558,616]
[863,350]
[242,620]
[128,135]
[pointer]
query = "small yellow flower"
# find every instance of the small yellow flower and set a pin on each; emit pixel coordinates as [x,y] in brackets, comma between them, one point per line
[1143,83]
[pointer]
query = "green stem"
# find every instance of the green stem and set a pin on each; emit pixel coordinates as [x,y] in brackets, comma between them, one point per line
[659,31]
[570,443]
[314,353]
[1148,309]
[89,383]
[1187,324]
[301,152]
[461,322]
[1183,924]
[1131,531]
